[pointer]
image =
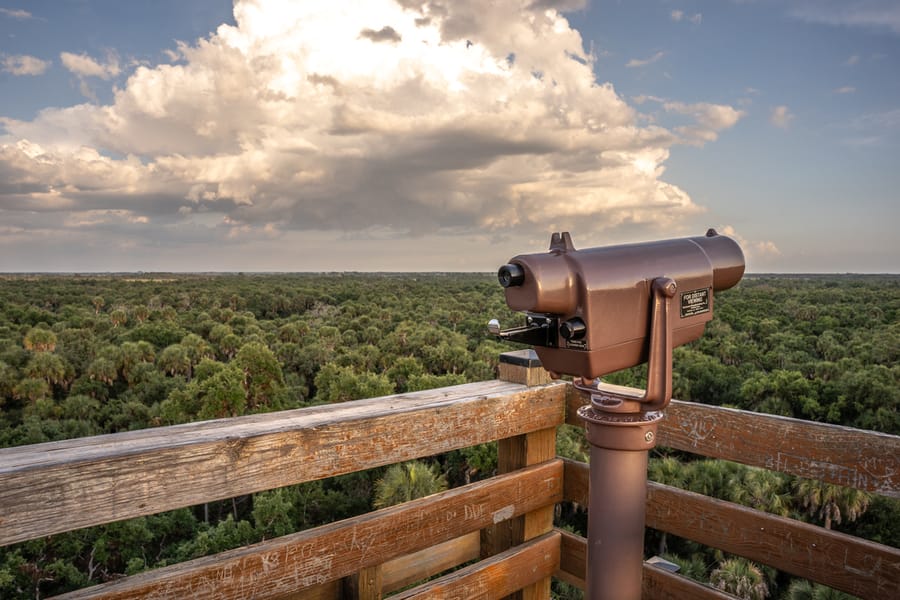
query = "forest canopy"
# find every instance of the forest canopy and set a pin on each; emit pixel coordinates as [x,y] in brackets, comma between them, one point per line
[88,354]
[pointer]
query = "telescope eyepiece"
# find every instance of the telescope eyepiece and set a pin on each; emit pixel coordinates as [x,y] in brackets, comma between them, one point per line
[511,275]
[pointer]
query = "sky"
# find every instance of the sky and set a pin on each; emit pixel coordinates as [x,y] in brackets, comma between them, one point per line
[444,135]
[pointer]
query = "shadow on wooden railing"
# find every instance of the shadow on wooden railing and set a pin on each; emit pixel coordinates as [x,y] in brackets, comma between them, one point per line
[503,526]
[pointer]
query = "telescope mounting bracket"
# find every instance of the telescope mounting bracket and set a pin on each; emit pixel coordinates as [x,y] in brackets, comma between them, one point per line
[622,418]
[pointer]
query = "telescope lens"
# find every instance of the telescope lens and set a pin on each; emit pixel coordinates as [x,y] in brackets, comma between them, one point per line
[511,275]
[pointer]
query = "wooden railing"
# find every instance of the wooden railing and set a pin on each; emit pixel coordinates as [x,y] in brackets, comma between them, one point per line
[865,460]
[501,528]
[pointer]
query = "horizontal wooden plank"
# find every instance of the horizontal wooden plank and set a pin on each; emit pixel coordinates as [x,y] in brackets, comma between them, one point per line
[659,584]
[656,583]
[866,460]
[409,569]
[283,565]
[60,486]
[497,576]
[847,563]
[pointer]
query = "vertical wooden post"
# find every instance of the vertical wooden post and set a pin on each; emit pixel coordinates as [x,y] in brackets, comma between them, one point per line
[523,366]
[365,585]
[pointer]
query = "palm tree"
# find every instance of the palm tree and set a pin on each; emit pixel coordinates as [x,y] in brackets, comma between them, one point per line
[140,312]
[39,339]
[103,369]
[174,360]
[50,368]
[118,317]
[831,503]
[741,578]
[667,470]
[711,477]
[197,348]
[229,345]
[31,389]
[407,481]
[134,353]
[801,589]
[762,490]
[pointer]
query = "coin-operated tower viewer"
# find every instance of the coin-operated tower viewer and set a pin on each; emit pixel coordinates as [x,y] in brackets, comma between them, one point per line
[595,311]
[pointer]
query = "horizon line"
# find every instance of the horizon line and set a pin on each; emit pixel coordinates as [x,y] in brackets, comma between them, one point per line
[434,272]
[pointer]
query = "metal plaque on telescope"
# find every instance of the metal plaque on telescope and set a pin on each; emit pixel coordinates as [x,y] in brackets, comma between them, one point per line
[695,302]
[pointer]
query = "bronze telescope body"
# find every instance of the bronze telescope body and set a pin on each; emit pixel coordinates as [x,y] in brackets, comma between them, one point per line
[595,311]
[608,290]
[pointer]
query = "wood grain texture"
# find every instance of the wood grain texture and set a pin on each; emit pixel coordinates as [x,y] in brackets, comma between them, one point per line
[365,584]
[840,561]
[60,486]
[406,570]
[850,564]
[572,559]
[288,564]
[656,584]
[524,375]
[522,366]
[497,576]
[515,453]
[327,591]
[866,460]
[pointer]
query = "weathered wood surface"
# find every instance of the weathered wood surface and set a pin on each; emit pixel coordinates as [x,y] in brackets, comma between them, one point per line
[524,367]
[60,486]
[400,572]
[497,576]
[332,590]
[847,563]
[659,584]
[656,583]
[866,460]
[409,569]
[572,559]
[365,584]
[512,454]
[284,565]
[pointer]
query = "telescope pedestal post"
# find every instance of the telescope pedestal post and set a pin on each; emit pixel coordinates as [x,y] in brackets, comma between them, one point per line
[620,439]
[621,427]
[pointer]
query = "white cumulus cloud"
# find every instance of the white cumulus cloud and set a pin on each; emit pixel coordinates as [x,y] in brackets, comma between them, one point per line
[413,118]
[23,64]
[705,120]
[85,66]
